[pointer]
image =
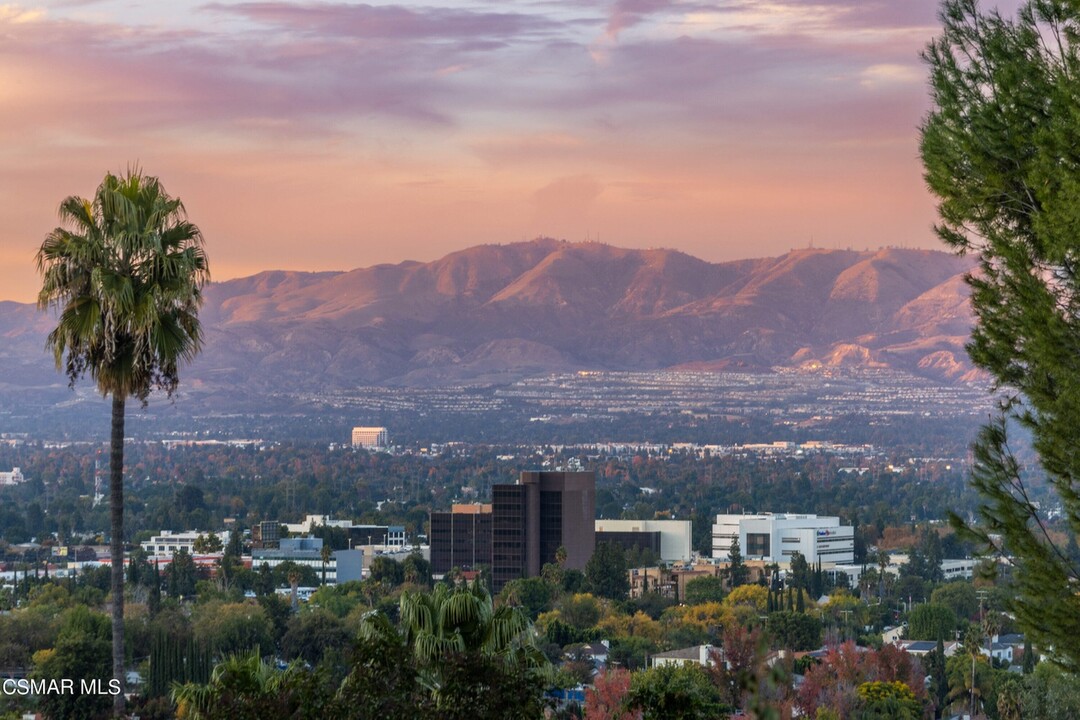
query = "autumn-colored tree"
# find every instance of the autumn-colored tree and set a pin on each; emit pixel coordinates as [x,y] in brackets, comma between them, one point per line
[606,699]
[832,683]
[740,661]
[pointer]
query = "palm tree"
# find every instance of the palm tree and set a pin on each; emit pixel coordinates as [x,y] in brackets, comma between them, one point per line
[241,686]
[457,621]
[325,554]
[125,272]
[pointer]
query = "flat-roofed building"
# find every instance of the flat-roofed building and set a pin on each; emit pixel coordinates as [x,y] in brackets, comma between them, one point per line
[536,516]
[370,437]
[669,539]
[168,542]
[776,537]
[344,565]
[15,477]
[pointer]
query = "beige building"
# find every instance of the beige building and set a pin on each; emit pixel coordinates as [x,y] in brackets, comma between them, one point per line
[370,437]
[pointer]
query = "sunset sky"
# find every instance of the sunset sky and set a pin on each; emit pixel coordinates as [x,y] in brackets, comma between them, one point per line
[333,135]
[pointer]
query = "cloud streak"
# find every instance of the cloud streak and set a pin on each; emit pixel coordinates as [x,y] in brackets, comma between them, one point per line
[651,121]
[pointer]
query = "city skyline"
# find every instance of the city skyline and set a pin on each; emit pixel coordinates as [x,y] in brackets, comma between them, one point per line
[329,136]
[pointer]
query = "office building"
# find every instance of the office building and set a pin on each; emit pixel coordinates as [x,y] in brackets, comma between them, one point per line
[536,516]
[370,437]
[386,536]
[168,542]
[770,537]
[266,534]
[14,477]
[670,540]
[343,566]
[460,538]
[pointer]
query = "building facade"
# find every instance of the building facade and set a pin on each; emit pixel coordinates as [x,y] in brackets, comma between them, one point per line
[14,477]
[536,516]
[343,565]
[777,537]
[460,538]
[370,437]
[670,539]
[169,543]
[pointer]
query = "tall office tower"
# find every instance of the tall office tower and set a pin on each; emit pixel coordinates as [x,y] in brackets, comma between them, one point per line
[460,538]
[532,519]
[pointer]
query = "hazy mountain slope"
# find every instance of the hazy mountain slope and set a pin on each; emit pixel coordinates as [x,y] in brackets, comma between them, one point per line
[495,312]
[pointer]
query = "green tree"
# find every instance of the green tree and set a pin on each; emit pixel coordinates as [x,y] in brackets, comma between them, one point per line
[532,594]
[180,575]
[125,271]
[888,701]
[675,692]
[795,631]
[209,543]
[230,628]
[1000,154]
[959,596]
[931,622]
[243,687]
[81,650]
[704,589]
[737,571]
[465,650]
[312,634]
[606,572]
[1050,694]
[800,575]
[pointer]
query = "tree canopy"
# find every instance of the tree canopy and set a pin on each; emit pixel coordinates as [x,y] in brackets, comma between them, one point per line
[1000,153]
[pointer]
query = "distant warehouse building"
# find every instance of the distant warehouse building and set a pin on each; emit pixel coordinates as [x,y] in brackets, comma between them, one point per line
[370,437]
[669,539]
[776,537]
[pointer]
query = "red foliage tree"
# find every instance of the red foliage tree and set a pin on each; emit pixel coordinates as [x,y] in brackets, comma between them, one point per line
[833,683]
[604,700]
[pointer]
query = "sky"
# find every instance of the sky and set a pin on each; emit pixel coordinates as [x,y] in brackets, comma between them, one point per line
[332,135]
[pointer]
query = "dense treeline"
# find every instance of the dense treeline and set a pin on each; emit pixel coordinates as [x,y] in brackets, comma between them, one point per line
[198,487]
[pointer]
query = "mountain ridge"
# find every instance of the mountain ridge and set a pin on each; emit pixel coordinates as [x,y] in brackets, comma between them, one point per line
[493,313]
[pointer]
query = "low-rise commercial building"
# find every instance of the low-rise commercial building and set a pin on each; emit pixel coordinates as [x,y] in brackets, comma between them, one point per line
[343,565]
[776,537]
[669,539]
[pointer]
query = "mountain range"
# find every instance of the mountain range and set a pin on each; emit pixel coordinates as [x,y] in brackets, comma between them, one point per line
[494,313]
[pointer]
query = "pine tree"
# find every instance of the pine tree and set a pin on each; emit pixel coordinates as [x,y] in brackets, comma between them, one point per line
[939,681]
[153,602]
[1000,152]
[738,573]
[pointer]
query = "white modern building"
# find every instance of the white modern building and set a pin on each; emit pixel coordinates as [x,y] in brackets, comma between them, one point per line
[775,537]
[168,543]
[370,437]
[674,536]
[14,477]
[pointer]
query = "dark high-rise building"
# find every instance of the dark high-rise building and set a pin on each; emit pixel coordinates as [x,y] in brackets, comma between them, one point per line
[532,519]
[460,538]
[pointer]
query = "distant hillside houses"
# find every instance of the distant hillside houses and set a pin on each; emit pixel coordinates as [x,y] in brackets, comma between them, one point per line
[14,477]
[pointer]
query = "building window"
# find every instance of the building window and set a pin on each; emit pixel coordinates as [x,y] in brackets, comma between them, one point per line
[757,544]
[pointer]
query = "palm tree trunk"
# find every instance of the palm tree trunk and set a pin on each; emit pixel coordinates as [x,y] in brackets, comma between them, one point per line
[116,545]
